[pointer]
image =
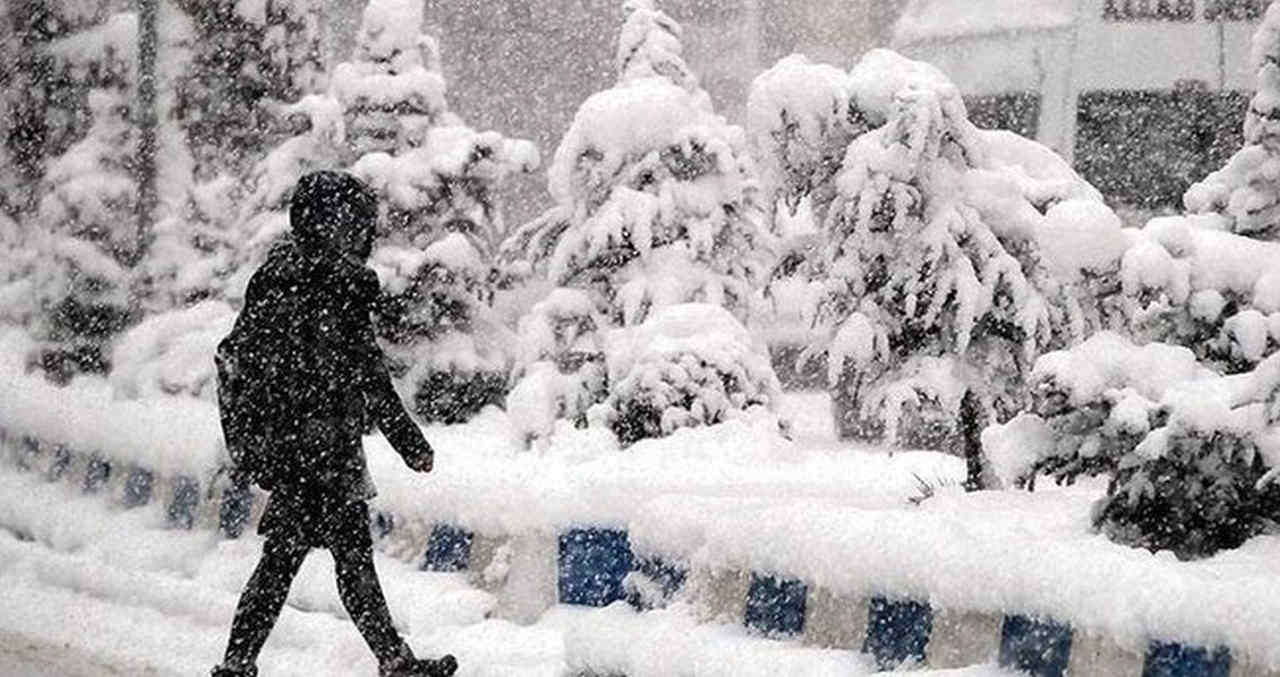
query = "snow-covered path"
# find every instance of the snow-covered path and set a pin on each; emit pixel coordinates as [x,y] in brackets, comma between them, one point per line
[91,590]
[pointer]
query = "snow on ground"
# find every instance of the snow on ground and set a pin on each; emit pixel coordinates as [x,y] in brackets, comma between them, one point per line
[92,590]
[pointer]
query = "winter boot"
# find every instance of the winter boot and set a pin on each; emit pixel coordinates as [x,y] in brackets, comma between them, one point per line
[406,665]
[224,671]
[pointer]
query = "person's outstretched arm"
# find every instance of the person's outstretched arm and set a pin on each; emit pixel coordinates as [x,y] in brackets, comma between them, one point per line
[384,403]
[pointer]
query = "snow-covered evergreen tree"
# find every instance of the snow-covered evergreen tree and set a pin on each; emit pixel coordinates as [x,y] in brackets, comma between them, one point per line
[1191,454]
[1216,293]
[44,110]
[1246,192]
[937,283]
[800,120]
[88,240]
[391,90]
[440,181]
[656,205]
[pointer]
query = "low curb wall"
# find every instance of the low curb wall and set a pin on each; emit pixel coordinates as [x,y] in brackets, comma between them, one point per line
[595,566]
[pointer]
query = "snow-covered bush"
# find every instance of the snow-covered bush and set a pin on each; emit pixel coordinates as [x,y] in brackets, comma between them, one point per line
[1246,192]
[561,357]
[1188,451]
[656,200]
[171,353]
[440,180]
[88,241]
[385,118]
[688,365]
[953,258]
[800,120]
[1217,293]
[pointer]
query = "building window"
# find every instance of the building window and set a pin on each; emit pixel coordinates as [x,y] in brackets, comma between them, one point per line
[1234,10]
[1149,10]
[1144,148]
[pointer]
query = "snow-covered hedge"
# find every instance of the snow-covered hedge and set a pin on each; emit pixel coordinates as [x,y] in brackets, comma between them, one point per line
[1188,281]
[171,353]
[1191,454]
[688,365]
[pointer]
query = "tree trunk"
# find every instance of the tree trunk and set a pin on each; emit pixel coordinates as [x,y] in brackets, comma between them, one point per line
[145,166]
[971,423]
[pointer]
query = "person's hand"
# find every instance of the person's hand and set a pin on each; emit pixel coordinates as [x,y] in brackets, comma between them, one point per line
[422,461]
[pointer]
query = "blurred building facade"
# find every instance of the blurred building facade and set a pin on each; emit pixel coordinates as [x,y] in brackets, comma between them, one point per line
[1144,96]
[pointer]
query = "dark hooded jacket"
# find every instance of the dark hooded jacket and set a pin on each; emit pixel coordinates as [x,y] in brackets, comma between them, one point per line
[318,367]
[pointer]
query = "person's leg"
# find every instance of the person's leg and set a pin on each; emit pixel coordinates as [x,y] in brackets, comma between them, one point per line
[358,585]
[262,600]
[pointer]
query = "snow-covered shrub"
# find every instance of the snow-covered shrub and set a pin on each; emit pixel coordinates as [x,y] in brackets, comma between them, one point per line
[561,364]
[171,353]
[688,365]
[88,241]
[385,118]
[1187,450]
[656,200]
[440,181]
[953,258]
[1246,192]
[391,91]
[1217,293]
[800,121]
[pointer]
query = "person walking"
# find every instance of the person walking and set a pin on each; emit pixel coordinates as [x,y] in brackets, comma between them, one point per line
[300,380]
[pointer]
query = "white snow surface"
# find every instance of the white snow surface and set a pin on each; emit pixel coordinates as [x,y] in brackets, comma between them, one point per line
[95,590]
[997,551]
[726,496]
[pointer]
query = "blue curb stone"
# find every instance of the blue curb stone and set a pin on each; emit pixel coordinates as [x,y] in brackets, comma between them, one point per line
[1169,659]
[137,487]
[776,606]
[448,549]
[182,504]
[96,474]
[897,631]
[593,563]
[234,511]
[381,524]
[61,461]
[669,578]
[28,452]
[1037,647]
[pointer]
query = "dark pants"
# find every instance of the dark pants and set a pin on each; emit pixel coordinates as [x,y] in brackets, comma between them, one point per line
[345,533]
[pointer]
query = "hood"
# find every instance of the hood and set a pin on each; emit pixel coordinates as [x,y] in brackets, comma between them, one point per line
[333,213]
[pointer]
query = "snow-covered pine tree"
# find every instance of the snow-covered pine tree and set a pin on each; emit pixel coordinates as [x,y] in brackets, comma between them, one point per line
[244,55]
[656,205]
[1191,454]
[243,63]
[937,294]
[1246,192]
[800,120]
[41,102]
[87,241]
[1214,292]
[440,181]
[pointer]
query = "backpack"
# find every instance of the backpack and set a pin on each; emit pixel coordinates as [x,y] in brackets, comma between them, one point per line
[245,412]
[266,357]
